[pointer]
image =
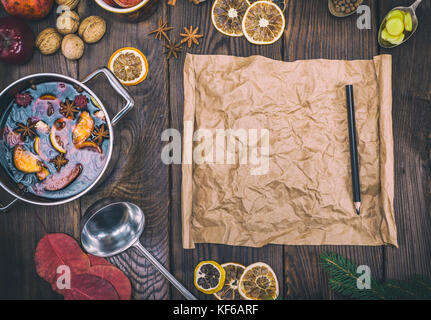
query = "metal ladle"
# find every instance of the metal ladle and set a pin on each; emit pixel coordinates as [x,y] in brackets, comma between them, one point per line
[114,229]
[412,11]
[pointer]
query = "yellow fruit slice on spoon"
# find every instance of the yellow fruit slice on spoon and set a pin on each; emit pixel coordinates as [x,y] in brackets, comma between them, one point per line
[263,23]
[209,277]
[408,22]
[129,65]
[227,16]
[259,282]
[395,26]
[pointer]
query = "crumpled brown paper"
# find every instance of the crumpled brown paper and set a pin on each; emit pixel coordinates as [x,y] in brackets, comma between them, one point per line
[305,198]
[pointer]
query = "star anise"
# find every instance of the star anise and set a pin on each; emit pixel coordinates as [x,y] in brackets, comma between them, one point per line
[100,133]
[173,49]
[68,109]
[161,30]
[191,36]
[27,130]
[59,161]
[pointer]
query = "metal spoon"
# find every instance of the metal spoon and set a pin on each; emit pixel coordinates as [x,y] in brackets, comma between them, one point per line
[412,11]
[114,229]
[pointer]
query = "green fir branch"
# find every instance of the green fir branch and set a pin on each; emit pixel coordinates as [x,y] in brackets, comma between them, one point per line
[343,279]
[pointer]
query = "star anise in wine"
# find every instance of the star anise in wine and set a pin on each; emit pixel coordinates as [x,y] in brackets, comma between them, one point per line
[100,133]
[173,49]
[59,161]
[68,109]
[161,30]
[190,36]
[27,130]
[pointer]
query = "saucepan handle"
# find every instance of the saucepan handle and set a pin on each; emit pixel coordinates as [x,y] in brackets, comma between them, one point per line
[113,81]
[6,207]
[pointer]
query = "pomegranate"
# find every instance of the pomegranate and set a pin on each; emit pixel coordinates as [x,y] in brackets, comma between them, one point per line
[28,9]
[16,40]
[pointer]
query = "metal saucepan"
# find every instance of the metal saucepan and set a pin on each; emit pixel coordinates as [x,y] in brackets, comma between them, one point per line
[8,94]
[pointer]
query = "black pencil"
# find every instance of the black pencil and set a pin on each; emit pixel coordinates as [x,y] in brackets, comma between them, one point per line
[353,149]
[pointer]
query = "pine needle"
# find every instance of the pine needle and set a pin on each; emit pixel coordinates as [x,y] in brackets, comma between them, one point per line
[343,279]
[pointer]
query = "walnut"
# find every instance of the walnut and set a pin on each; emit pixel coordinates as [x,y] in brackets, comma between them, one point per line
[92,29]
[48,41]
[68,22]
[72,47]
[71,4]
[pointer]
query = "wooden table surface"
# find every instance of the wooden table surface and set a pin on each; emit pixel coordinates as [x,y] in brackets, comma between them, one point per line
[141,177]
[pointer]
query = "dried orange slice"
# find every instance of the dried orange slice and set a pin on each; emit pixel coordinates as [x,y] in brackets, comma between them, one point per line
[230,290]
[129,65]
[26,161]
[209,277]
[263,23]
[258,282]
[227,16]
[83,129]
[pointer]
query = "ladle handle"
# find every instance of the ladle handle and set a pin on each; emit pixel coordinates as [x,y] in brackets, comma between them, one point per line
[164,272]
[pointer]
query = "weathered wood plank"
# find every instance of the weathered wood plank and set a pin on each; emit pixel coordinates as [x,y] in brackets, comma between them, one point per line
[312,33]
[412,125]
[139,176]
[183,261]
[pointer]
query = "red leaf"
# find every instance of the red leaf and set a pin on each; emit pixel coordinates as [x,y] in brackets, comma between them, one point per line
[89,287]
[56,249]
[98,261]
[116,277]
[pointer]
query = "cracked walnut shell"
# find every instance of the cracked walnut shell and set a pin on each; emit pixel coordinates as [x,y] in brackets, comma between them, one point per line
[71,4]
[68,22]
[48,41]
[92,29]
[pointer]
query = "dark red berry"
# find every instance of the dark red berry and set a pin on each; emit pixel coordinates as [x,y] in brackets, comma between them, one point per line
[81,102]
[23,99]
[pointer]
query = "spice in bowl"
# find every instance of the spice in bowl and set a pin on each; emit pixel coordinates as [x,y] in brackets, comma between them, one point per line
[344,8]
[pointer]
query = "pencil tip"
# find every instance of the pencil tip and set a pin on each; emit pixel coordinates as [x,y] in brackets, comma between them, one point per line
[358,207]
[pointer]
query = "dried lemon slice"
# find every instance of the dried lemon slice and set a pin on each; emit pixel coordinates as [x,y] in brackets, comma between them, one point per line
[129,65]
[258,282]
[209,277]
[227,16]
[230,288]
[263,23]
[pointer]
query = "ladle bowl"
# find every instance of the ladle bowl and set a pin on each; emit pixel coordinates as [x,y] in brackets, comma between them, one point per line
[117,227]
